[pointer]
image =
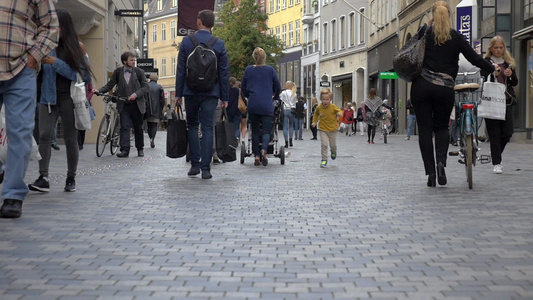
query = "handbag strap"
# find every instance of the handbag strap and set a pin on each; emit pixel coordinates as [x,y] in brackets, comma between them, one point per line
[180,113]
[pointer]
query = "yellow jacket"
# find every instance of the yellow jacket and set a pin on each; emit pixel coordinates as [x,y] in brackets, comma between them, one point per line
[327,117]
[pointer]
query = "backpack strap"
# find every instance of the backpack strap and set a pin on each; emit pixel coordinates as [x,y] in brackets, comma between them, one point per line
[194,40]
[212,41]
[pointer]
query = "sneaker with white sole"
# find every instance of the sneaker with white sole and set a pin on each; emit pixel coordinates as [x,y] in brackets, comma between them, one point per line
[70,184]
[324,164]
[40,185]
[498,169]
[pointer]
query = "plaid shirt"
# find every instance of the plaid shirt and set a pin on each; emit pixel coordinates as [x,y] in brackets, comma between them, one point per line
[26,27]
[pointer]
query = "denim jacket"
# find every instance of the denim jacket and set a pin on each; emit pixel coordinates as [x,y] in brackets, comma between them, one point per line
[48,86]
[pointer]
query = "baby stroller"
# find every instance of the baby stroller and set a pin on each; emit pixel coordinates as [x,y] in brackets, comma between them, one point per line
[273,150]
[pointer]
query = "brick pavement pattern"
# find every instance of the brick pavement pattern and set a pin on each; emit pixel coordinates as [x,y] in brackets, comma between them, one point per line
[365,227]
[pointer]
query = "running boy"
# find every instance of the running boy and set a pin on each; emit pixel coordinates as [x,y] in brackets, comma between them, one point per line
[327,113]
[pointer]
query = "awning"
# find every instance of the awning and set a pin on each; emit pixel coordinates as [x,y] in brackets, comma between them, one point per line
[523,33]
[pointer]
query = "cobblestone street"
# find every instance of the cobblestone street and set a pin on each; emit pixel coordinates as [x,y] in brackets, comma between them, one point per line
[365,227]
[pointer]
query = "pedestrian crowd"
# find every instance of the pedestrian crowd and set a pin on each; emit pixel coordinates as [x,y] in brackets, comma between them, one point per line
[36,79]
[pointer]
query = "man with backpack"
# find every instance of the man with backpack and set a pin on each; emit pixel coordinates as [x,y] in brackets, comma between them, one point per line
[202,79]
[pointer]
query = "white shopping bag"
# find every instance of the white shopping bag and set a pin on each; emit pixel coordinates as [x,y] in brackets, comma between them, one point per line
[492,103]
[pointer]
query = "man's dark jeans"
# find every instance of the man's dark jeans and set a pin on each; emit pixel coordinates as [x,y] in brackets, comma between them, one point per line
[200,110]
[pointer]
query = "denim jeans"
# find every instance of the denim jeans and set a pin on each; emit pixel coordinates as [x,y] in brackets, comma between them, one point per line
[288,124]
[18,98]
[200,110]
[411,120]
[298,127]
[261,127]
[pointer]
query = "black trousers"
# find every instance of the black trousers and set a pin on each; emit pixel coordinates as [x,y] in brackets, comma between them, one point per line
[433,105]
[131,116]
[500,132]
[152,129]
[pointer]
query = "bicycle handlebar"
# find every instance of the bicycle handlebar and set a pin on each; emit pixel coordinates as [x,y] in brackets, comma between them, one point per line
[113,98]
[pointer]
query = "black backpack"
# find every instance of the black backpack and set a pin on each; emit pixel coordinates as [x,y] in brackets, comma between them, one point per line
[202,64]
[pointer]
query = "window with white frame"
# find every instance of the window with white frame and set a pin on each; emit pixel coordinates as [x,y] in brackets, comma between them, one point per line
[284,5]
[297,32]
[325,2]
[291,34]
[154,33]
[163,70]
[163,31]
[333,35]
[173,65]
[362,23]
[297,1]
[174,3]
[278,5]
[173,29]
[325,40]
[159,5]
[278,36]
[291,3]
[306,38]
[351,29]
[271,6]
[284,34]
[342,32]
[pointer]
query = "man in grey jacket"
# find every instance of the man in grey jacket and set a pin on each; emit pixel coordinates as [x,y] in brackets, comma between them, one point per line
[155,104]
[131,83]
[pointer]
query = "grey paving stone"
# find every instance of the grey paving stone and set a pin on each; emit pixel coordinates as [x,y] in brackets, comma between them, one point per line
[367,227]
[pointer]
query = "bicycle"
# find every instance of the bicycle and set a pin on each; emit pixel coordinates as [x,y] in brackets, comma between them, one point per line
[109,129]
[385,116]
[466,118]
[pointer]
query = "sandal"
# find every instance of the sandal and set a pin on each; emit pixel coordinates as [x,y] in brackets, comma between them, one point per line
[256,162]
[265,159]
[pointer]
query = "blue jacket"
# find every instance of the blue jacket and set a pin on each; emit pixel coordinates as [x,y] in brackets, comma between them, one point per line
[260,85]
[222,88]
[48,86]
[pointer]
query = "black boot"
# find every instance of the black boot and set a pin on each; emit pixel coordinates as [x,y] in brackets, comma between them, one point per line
[286,144]
[290,142]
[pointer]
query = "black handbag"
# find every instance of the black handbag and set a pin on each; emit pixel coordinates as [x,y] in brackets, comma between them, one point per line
[177,135]
[225,139]
[408,62]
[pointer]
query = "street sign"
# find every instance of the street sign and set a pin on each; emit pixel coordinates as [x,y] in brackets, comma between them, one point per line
[388,75]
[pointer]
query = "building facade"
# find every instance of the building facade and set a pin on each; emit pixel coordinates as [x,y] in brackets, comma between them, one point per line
[343,50]
[106,35]
[284,21]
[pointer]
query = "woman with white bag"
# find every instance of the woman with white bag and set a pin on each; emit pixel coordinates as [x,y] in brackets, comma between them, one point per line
[60,70]
[500,131]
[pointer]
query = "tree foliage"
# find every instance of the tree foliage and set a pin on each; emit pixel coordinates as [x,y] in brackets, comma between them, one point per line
[244,28]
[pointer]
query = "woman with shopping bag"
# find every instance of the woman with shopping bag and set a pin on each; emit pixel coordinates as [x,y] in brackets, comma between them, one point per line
[60,70]
[500,131]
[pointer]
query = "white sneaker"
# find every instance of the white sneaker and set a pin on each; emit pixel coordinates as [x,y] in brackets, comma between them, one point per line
[498,169]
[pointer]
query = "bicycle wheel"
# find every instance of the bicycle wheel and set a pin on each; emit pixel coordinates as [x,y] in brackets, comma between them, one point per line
[385,136]
[469,159]
[115,139]
[102,139]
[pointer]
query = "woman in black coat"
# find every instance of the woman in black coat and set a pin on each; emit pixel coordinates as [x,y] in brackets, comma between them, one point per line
[500,131]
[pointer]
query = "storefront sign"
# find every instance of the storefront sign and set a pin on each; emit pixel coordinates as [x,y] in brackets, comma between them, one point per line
[467,19]
[388,75]
[129,13]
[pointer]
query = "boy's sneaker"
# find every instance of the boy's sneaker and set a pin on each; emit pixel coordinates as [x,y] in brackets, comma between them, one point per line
[333,155]
[70,185]
[40,185]
[498,169]
[324,164]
